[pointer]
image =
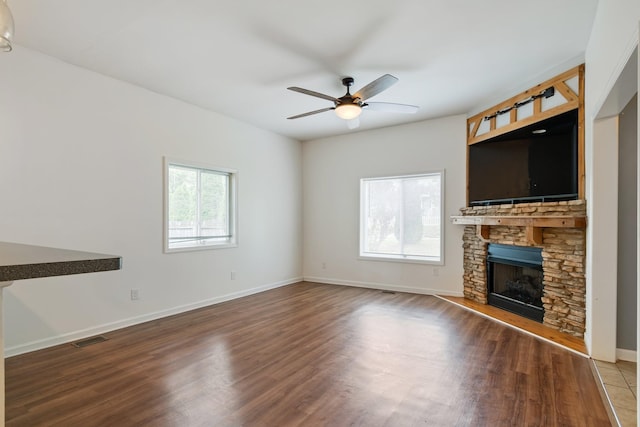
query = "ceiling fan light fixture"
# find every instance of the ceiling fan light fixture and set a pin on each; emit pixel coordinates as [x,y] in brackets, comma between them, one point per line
[6,27]
[348,111]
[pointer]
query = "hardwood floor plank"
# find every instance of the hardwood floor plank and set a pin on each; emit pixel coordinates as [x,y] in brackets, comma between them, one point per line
[308,355]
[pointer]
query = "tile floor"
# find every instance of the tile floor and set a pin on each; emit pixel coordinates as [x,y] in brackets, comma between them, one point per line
[620,383]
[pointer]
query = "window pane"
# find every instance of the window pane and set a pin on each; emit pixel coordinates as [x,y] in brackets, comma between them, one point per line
[182,193]
[421,221]
[401,217]
[214,211]
[383,211]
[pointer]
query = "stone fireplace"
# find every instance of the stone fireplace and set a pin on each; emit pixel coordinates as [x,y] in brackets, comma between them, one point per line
[557,230]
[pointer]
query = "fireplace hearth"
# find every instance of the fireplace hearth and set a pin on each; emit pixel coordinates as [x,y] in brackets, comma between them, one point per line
[515,279]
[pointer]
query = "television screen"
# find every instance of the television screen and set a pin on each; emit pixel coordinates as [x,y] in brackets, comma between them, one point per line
[535,163]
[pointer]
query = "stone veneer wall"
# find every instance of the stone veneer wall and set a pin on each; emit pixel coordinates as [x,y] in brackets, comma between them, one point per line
[563,260]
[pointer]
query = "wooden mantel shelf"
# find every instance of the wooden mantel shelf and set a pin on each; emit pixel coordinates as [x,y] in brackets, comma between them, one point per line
[533,224]
[523,221]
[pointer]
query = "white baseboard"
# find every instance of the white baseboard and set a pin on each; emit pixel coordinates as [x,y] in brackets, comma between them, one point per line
[383,286]
[104,328]
[626,355]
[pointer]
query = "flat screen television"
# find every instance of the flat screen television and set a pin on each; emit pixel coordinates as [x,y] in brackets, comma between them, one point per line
[535,163]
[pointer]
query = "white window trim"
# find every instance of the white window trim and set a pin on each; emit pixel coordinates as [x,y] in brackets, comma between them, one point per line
[233,203]
[394,257]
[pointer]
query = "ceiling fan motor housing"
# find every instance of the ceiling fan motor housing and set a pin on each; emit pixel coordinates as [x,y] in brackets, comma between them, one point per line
[348,98]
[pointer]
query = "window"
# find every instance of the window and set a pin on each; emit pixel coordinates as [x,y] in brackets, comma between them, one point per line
[400,218]
[199,207]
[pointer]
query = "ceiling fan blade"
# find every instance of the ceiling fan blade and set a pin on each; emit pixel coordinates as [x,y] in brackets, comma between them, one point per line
[390,107]
[375,87]
[312,93]
[311,113]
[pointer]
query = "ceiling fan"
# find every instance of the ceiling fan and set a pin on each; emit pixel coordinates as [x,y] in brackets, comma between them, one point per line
[349,107]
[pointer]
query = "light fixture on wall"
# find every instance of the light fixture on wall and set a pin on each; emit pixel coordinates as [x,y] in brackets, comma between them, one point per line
[348,111]
[6,27]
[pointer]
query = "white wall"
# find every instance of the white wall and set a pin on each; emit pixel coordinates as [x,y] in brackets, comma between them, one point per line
[332,169]
[81,168]
[613,39]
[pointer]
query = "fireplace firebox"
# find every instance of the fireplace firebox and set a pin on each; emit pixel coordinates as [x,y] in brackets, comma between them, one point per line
[514,279]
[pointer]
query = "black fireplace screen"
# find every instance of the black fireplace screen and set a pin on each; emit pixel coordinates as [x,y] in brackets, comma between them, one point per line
[514,279]
[523,284]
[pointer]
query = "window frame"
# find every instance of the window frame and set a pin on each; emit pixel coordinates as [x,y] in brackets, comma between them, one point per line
[232,240]
[412,259]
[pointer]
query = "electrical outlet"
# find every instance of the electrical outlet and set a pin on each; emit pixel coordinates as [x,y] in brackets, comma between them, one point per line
[436,271]
[324,265]
[233,275]
[135,294]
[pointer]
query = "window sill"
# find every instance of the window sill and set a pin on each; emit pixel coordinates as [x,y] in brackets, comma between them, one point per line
[200,248]
[401,259]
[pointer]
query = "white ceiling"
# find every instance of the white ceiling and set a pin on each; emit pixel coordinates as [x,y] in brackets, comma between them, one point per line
[237,58]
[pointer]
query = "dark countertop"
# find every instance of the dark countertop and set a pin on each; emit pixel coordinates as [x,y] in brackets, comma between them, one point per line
[18,261]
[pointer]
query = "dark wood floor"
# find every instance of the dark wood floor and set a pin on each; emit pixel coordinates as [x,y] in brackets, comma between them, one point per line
[308,355]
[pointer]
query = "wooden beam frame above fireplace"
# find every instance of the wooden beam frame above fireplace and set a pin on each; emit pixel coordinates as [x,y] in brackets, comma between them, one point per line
[568,87]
